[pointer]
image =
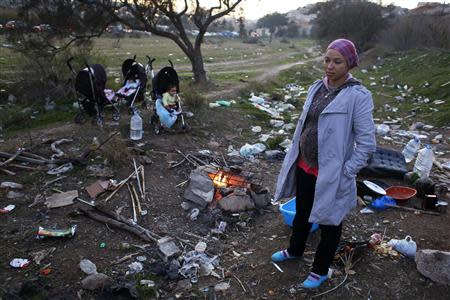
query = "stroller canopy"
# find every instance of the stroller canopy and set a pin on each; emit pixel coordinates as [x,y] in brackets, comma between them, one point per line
[165,78]
[133,70]
[83,82]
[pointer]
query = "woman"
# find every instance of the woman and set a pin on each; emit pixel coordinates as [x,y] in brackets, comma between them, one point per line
[334,138]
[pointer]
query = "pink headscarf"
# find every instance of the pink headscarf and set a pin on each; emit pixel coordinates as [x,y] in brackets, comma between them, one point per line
[347,49]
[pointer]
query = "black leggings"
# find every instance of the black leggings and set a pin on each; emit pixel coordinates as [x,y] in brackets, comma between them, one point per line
[330,235]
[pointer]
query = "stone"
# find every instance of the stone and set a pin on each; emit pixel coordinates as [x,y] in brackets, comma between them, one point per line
[261,198]
[168,247]
[96,281]
[183,285]
[236,202]
[11,185]
[200,247]
[222,286]
[200,189]
[434,264]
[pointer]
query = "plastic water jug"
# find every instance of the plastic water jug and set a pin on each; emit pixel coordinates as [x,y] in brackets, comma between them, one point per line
[136,126]
[406,246]
[424,162]
[411,149]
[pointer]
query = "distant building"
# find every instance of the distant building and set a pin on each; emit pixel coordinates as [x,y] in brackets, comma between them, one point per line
[431,8]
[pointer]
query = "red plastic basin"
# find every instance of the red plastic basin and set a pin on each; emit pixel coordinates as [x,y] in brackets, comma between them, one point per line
[400,193]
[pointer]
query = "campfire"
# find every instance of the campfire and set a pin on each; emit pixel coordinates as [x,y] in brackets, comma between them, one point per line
[223,180]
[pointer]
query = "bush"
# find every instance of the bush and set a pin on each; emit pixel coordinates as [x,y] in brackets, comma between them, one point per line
[417,31]
[193,99]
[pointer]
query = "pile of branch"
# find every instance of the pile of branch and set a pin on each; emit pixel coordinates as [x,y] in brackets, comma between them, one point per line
[116,220]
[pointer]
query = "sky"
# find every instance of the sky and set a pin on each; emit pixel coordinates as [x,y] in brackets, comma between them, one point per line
[255,9]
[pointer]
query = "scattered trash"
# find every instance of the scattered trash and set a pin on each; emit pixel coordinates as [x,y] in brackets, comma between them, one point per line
[194,214]
[249,151]
[411,149]
[147,282]
[220,228]
[200,247]
[135,267]
[14,195]
[88,266]
[7,208]
[256,129]
[277,267]
[11,185]
[141,258]
[40,255]
[366,210]
[374,187]
[61,169]
[197,264]
[21,263]
[380,203]
[97,188]
[424,161]
[274,155]
[406,246]
[222,286]
[102,245]
[61,199]
[168,247]
[256,99]
[382,129]
[286,144]
[45,272]
[69,232]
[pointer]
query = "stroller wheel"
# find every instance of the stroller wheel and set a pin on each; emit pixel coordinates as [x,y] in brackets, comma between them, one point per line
[158,128]
[80,118]
[98,121]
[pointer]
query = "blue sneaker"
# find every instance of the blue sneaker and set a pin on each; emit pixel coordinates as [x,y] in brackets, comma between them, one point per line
[314,281]
[282,255]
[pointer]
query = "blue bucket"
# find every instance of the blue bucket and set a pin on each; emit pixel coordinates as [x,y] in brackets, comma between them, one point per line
[288,211]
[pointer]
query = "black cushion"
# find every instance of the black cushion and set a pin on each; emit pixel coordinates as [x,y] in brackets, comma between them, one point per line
[386,162]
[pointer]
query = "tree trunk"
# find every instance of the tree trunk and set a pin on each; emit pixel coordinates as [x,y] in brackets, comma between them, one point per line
[198,67]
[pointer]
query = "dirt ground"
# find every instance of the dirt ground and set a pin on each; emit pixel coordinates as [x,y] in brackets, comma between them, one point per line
[244,250]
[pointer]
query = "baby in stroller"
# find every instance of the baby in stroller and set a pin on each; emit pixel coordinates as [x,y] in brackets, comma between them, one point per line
[167,102]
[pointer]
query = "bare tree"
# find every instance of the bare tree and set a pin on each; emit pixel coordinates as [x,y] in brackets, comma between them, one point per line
[152,13]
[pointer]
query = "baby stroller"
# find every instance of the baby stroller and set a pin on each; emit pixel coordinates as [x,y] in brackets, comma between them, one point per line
[90,88]
[162,117]
[135,80]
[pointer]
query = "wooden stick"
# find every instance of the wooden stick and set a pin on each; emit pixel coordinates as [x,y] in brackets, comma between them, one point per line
[136,198]
[143,183]
[88,152]
[225,162]
[182,183]
[132,203]
[414,210]
[330,290]
[22,158]
[11,173]
[11,158]
[32,155]
[27,167]
[240,282]
[137,178]
[54,180]
[187,158]
[119,186]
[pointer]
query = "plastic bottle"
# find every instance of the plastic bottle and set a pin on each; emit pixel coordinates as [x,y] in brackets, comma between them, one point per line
[411,149]
[136,126]
[424,162]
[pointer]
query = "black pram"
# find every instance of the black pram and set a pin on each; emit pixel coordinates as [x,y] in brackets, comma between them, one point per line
[90,85]
[135,81]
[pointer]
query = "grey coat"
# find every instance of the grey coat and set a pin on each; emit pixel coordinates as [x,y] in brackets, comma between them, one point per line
[346,139]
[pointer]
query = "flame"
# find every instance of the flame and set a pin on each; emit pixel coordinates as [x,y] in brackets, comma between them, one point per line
[220,180]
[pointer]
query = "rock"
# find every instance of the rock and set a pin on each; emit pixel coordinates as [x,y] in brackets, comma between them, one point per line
[183,285]
[261,199]
[96,281]
[168,247]
[146,160]
[11,185]
[236,202]
[12,99]
[200,189]
[434,264]
[200,247]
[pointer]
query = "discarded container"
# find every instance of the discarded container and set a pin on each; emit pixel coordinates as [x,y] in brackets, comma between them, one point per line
[88,266]
[411,149]
[382,129]
[406,246]
[400,193]
[19,263]
[248,150]
[135,267]
[424,162]
[135,126]
[288,211]
[69,232]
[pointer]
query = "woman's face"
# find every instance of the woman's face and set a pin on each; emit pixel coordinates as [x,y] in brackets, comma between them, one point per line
[335,67]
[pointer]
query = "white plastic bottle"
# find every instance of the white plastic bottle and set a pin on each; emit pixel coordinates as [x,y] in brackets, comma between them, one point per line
[136,126]
[424,162]
[411,149]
